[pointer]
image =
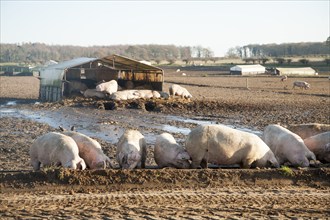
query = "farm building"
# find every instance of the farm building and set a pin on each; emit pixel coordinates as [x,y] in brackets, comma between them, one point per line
[247,69]
[304,71]
[55,79]
[13,70]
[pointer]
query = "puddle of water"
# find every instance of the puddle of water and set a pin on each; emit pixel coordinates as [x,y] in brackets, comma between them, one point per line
[110,132]
[11,103]
[7,111]
[204,121]
[190,120]
[173,129]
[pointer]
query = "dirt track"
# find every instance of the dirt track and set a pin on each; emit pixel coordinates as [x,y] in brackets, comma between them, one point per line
[165,193]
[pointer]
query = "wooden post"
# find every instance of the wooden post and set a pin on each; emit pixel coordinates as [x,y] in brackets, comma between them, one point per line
[247,83]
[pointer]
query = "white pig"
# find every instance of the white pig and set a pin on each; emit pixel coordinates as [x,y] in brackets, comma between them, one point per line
[90,150]
[124,95]
[131,150]
[309,129]
[179,91]
[287,146]
[168,153]
[147,94]
[55,149]
[108,87]
[222,145]
[320,145]
[301,84]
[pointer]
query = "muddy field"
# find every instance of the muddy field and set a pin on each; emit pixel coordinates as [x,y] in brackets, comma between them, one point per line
[246,103]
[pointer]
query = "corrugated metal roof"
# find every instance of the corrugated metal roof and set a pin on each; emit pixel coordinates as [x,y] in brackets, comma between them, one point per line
[121,62]
[71,63]
[115,61]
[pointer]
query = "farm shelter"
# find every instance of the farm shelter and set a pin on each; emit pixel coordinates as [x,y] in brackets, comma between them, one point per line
[247,70]
[304,71]
[14,70]
[54,79]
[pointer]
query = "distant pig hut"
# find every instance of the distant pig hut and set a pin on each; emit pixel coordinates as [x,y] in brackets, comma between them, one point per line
[247,70]
[303,71]
[56,80]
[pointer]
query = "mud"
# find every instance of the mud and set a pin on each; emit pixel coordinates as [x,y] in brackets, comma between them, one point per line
[161,193]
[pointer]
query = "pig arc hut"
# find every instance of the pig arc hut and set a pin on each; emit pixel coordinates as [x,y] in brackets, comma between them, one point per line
[55,80]
[245,70]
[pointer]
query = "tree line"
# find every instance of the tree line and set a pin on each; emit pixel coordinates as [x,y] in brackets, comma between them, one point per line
[280,50]
[40,52]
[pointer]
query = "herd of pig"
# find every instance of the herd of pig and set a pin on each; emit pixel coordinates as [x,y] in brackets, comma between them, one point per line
[113,91]
[296,145]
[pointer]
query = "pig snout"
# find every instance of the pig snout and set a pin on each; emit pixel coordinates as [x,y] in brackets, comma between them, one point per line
[130,161]
[273,164]
[81,165]
[183,164]
[182,160]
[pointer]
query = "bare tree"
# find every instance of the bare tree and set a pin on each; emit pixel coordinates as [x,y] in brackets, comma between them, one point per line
[304,61]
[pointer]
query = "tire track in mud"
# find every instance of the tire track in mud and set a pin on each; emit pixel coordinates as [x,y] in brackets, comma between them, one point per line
[240,202]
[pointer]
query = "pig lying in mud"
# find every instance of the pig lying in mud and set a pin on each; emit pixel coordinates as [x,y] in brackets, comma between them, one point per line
[55,149]
[89,149]
[168,153]
[90,93]
[287,146]
[309,129]
[124,95]
[222,145]
[320,145]
[107,87]
[147,94]
[131,150]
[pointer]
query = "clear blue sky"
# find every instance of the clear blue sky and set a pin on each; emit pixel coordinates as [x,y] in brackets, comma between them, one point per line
[217,25]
